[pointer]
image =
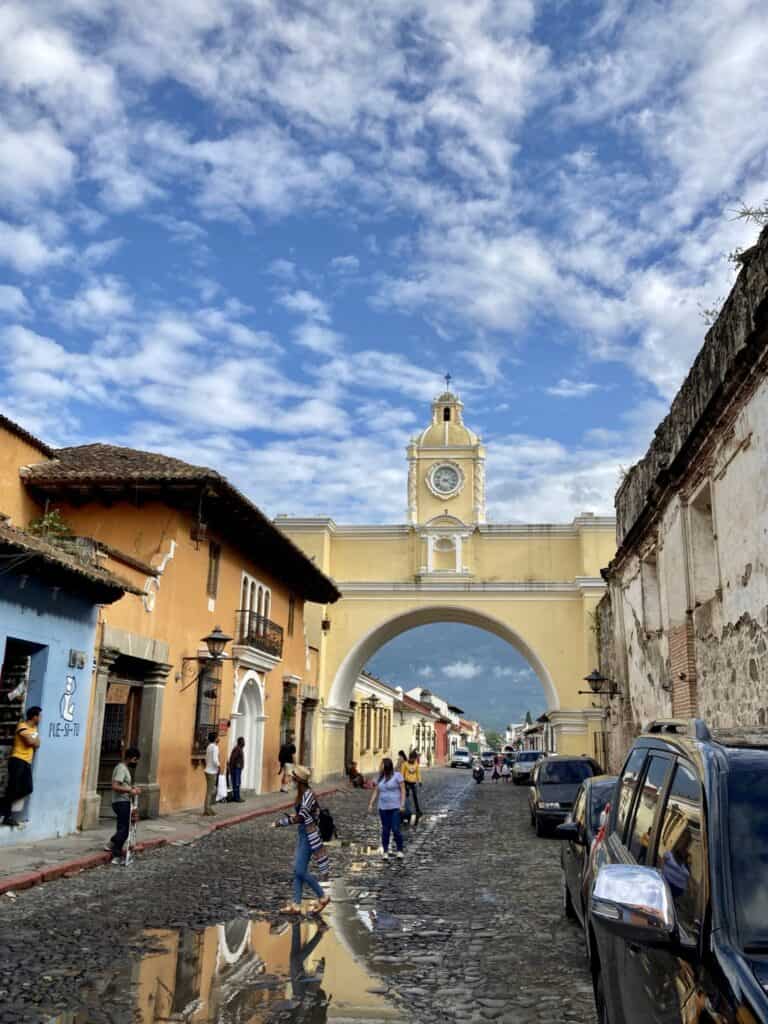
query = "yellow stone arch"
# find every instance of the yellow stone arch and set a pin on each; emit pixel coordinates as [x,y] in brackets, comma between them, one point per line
[535,585]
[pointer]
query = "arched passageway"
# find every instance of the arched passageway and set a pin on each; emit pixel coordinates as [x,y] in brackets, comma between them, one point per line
[375,638]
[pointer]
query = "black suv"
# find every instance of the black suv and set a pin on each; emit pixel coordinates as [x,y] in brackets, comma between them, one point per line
[678,922]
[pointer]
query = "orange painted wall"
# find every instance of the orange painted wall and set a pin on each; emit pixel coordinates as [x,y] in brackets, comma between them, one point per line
[180,617]
[14,500]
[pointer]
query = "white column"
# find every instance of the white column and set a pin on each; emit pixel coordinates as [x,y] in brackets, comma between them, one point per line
[430,553]
[458,548]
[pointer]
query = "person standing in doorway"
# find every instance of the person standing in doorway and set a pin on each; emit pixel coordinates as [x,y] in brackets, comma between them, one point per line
[411,773]
[26,741]
[286,757]
[390,790]
[211,772]
[309,841]
[236,765]
[122,791]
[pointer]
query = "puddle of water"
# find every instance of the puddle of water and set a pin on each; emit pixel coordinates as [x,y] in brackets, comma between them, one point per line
[249,970]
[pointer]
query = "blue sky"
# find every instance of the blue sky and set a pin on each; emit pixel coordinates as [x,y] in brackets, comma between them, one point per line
[255,234]
[481,673]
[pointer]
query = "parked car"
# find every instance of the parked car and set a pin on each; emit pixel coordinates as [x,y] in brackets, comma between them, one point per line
[461,759]
[487,758]
[678,922]
[524,764]
[578,833]
[555,783]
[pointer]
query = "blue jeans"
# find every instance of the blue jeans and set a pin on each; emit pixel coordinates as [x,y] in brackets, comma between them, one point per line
[390,823]
[301,874]
[235,776]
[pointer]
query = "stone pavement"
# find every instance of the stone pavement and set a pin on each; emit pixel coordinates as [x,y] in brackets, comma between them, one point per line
[469,927]
[25,864]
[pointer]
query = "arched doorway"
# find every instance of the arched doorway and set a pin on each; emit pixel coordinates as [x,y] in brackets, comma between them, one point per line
[248,722]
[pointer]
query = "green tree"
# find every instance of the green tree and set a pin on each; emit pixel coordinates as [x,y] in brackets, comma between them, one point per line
[493,739]
[528,719]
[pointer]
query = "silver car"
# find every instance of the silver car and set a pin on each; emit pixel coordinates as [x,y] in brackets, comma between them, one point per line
[524,764]
[461,759]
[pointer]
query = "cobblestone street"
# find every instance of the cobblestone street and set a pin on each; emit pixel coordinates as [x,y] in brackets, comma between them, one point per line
[468,927]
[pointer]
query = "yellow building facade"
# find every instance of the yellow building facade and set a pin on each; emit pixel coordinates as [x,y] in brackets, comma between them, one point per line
[534,585]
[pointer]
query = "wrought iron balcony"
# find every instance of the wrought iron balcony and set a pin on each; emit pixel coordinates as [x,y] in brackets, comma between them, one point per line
[256,631]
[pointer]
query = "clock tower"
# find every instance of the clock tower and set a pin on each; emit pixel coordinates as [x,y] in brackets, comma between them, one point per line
[446,469]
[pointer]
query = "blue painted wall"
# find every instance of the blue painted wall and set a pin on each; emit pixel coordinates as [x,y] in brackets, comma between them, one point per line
[59,621]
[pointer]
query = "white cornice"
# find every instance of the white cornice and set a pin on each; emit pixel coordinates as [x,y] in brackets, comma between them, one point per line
[319,524]
[457,585]
[245,656]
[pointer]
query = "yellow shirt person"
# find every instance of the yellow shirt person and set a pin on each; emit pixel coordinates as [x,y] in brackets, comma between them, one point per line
[411,771]
[26,740]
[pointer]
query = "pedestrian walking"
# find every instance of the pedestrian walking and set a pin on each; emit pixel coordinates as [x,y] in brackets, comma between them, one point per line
[496,774]
[402,760]
[506,771]
[236,765]
[308,842]
[411,773]
[26,740]
[211,772]
[390,791]
[285,759]
[123,790]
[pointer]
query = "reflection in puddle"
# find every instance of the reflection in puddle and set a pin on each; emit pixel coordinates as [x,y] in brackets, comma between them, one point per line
[248,971]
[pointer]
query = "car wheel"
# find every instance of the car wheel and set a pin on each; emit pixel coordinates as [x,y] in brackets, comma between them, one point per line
[541,829]
[568,910]
[600,1004]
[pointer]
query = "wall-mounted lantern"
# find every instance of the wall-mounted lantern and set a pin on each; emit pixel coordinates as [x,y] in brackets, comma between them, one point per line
[600,685]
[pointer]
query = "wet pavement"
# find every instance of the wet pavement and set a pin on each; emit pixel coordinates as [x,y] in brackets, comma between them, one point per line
[468,927]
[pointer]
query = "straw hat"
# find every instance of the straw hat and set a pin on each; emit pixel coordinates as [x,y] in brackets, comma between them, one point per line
[301,773]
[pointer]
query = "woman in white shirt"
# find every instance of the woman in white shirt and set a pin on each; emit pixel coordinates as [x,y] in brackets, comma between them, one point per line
[390,791]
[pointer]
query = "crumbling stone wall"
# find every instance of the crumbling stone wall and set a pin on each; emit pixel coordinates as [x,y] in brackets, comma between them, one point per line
[733,672]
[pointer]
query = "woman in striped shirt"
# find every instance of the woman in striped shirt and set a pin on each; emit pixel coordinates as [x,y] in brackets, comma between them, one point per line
[309,842]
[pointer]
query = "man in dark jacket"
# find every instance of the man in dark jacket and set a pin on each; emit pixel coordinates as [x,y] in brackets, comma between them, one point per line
[236,764]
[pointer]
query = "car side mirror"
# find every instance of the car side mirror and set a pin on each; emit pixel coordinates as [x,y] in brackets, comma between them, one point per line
[634,903]
[571,831]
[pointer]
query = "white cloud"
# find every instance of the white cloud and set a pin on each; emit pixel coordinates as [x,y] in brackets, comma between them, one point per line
[462,670]
[101,301]
[307,304]
[33,162]
[426,672]
[26,251]
[345,264]
[13,302]
[566,388]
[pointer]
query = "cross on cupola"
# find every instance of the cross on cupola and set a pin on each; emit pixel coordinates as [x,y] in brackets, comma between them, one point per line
[448,378]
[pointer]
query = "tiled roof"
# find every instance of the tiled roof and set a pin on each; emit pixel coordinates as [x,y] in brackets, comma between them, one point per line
[106,464]
[25,435]
[40,557]
[109,462]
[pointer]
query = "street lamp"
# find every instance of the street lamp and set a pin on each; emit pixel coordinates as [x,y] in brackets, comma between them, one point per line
[216,641]
[600,685]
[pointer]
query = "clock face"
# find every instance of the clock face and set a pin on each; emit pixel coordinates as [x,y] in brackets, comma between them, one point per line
[445,479]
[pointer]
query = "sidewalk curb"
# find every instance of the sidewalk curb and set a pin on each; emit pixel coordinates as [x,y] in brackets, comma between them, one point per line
[29,879]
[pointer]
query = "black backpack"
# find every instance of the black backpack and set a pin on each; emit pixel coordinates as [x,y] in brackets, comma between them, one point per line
[326,826]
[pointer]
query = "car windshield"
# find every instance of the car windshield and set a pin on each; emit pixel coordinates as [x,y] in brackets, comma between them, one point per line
[461,753]
[528,755]
[564,773]
[748,835]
